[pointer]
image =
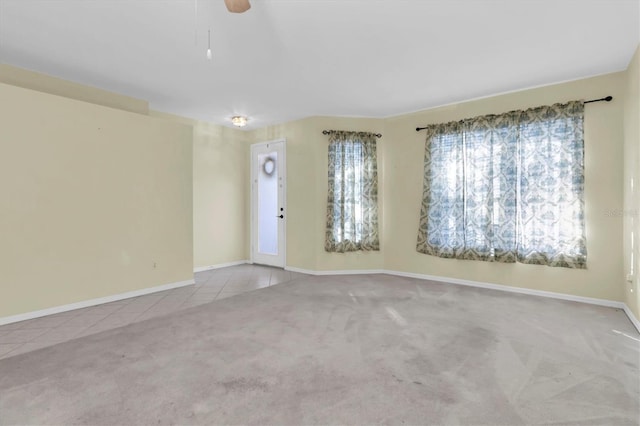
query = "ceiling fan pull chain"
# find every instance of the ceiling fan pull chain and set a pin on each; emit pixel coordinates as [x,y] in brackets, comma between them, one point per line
[195,21]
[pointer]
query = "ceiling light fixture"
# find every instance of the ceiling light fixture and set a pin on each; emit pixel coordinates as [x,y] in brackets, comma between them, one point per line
[209,55]
[239,121]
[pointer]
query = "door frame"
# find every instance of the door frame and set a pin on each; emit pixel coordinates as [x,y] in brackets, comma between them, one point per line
[281,244]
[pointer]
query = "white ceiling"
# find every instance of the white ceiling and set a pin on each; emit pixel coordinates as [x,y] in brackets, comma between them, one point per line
[287,59]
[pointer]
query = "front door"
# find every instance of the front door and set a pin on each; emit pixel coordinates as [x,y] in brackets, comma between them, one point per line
[268,215]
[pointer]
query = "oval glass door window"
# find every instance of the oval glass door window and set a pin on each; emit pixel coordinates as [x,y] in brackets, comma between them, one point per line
[269,166]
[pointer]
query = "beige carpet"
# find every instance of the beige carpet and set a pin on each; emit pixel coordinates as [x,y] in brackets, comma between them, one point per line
[341,350]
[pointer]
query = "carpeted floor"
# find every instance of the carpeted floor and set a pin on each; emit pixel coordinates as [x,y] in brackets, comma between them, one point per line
[341,350]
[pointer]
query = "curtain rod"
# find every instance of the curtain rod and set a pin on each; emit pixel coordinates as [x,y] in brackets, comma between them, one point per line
[605,99]
[328,132]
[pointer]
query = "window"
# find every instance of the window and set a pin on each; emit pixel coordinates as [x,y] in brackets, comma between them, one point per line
[507,188]
[352,207]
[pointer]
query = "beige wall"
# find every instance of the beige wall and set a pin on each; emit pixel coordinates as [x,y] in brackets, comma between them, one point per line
[56,86]
[307,183]
[603,192]
[220,182]
[91,198]
[220,178]
[95,195]
[400,161]
[632,172]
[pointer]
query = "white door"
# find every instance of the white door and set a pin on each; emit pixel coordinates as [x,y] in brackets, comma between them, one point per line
[268,213]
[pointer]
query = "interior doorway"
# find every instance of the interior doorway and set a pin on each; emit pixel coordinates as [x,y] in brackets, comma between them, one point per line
[268,212]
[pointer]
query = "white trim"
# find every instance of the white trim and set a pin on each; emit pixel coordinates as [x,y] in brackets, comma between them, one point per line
[300,270]
[479,284]
[532,292]
[340,272]
[219,265]
[252,219]
[92,302]
[457,281]
[632,317]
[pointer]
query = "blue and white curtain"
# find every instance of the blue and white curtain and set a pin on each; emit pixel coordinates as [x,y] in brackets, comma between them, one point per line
[352,207]
[507,188]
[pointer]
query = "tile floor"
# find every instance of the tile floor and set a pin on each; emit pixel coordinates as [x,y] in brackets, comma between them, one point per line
[25,336]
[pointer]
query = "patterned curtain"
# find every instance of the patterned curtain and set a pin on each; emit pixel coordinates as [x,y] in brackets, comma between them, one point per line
[352,207]
[507,188]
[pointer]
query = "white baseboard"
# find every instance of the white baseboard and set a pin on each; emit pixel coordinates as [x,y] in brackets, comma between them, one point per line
[479,284]
[92,302]
[299,270]
[339,272]
[532,292]
[541,293]
[219,265]
[632,317]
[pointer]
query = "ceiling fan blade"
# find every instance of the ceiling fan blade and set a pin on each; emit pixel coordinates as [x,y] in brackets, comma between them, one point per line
[237,6]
